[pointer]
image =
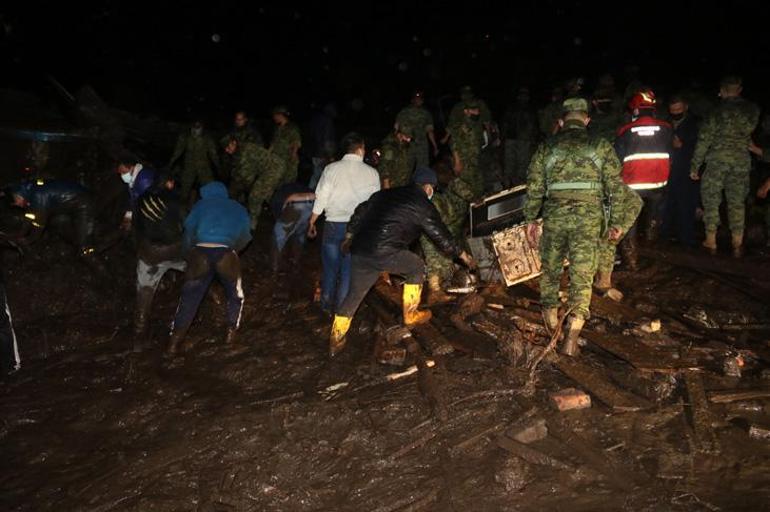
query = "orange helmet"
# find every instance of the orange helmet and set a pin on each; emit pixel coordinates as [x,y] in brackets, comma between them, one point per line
[642,99]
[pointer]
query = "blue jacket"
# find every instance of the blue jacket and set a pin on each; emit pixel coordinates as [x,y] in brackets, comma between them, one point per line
[144,180]
[217,219]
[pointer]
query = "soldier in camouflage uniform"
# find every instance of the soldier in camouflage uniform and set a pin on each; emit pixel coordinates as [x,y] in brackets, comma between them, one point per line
[286,143]
[467,134]
[397,160]
[199,157]
[467,96]
[764,187]
[569,177]
[607,111]
[417,117]
[723,144]
[257,173]
[242,132]
[452,205]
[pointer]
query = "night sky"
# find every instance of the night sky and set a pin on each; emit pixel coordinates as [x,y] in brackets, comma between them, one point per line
[174,61]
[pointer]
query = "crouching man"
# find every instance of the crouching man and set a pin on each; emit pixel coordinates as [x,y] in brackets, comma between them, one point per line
[379,235]
[215,231]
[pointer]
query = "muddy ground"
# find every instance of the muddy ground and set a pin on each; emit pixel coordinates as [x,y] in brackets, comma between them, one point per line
[88,425]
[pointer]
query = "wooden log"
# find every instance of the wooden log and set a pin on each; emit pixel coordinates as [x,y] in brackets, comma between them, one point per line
[620,477]
[531,455]
[700,415]
[654,388]
[425,379]
[724,397]
[638,355]
[615,398]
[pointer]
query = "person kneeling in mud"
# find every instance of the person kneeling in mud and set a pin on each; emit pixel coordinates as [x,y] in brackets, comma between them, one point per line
[379,235]
[158,227]
[63,205]
[215,231]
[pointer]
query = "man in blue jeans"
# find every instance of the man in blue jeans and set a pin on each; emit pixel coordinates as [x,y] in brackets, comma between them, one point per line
[343,186]
[215,231]
[292,206]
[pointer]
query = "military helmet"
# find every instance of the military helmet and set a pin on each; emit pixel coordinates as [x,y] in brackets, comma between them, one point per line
[466,93]
[406,129]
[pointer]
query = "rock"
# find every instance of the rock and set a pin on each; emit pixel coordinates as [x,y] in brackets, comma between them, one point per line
[614,294]
[534,431]
[650,326]
[759,432]
[570,398]
[514,474]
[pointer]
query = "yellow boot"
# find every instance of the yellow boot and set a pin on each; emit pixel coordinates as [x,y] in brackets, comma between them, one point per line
[412,315]
[337,337]
[710,243]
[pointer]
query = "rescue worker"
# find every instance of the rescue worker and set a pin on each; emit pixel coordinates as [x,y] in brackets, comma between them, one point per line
[292,206]
[64,205]
[467,132]
[215,231]
[242,132]
[285,144]
[644,147]
[417,117]
[158,227]
[199,158]
[138,178]
[723,142]
[378,237]
[569,177]
[396,158]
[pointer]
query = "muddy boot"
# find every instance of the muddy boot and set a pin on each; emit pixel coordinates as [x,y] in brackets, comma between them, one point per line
[411,303]
[551,319]
[652,231]
[142,316]
[738,244]
[603,281]
[175,342]
[629,253]
[570,346]
[710,243]
[338,338]
[436,294]
[232,336]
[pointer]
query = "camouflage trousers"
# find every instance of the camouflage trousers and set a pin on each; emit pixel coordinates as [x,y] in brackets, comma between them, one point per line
[733,179]
[421,154]
[627,209]
[192,175]
[260,192]
[291,173]
[516,160]
[240,186]
[571,230]
[472,174]
[436,262]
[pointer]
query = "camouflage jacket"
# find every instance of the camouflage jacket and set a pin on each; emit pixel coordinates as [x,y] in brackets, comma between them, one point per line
[199,152]
[418,119]
[285,140]
[396,162]
[571,156]
[726,133]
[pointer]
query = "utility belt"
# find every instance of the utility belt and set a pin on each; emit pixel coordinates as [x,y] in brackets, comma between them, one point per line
[587,191]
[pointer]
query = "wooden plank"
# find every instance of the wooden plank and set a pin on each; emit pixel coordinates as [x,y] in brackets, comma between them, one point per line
[639,355]
[615,398]
[700,414]
[530,454]
[618,476]
[724,397]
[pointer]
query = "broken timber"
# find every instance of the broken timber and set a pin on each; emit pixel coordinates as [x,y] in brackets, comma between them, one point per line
[617,399]
[701,417]
[733,267]
[638,355]
[724,397]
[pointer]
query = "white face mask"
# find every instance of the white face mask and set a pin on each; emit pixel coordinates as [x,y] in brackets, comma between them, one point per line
[127,178]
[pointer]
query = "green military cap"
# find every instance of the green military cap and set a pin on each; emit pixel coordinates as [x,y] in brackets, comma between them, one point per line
[575,105]
[281,109]
[406,129]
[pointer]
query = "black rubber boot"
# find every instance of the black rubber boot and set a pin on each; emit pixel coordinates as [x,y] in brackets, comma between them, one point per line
[175,342]
[629,252]
[144,297]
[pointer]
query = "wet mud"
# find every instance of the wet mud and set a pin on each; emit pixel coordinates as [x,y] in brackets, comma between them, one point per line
[277,426]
